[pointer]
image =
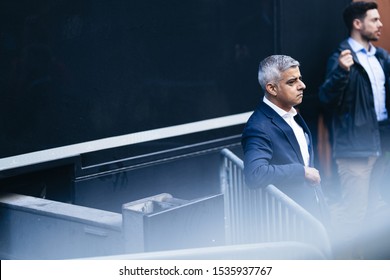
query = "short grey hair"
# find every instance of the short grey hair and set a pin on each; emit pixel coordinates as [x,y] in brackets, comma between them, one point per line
[272,67]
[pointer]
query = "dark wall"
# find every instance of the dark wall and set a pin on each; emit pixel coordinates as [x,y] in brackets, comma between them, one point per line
[73,71]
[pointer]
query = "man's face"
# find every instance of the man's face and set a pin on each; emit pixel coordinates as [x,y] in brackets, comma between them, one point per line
[289,90]
[371,26]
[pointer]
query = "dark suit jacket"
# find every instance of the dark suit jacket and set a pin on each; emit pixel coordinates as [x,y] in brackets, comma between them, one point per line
[272,156]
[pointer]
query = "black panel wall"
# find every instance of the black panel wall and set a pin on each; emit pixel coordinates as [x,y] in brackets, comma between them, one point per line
[74,71]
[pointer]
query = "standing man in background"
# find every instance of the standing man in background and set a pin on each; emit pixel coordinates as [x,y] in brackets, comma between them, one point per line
[357,90]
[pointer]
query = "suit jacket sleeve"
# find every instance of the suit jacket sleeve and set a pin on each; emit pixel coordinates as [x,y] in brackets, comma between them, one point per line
[269,158]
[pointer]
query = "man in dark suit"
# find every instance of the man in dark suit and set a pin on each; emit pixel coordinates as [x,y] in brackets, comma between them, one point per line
[276,141]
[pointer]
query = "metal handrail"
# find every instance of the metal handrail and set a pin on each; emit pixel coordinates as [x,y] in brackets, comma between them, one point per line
[264,214]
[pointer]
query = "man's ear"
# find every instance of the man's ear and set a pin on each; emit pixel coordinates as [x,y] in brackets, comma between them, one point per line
[271,89]
[357,24]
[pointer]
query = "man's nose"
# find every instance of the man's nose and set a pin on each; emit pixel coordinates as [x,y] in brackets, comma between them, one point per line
[302,85]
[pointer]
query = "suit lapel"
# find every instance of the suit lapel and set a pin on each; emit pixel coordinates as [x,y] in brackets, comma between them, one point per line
[287,130]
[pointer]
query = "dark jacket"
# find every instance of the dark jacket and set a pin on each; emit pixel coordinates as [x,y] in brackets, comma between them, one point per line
[272,156]
[355,129]
[271,151]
